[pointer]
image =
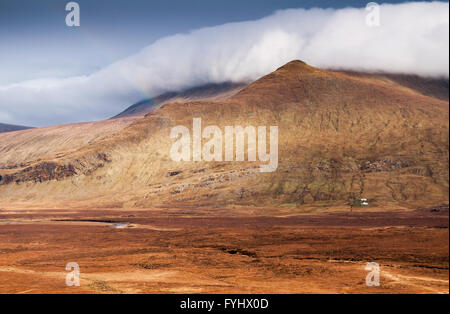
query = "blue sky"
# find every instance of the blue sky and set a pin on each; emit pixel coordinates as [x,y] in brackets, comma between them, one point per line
[125,51]
[36,43]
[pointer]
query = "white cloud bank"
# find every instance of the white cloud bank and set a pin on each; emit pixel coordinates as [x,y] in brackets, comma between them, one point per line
[412,38]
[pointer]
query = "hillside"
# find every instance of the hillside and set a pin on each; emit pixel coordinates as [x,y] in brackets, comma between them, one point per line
[28,146]
[213,92]
[45,143]
[427,86]
[341,137]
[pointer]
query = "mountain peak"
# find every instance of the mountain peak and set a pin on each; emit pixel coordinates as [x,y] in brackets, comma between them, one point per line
[289,83]
[296,66]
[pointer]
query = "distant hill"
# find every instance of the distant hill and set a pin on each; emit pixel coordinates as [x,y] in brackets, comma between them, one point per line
[11,128]
[206,92]
[433,87]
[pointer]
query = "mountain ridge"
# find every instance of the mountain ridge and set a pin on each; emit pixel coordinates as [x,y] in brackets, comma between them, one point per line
[203,92]
[12,128]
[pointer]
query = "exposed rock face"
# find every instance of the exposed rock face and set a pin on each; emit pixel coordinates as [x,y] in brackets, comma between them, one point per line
[47,171]
[41,172]
[341,137]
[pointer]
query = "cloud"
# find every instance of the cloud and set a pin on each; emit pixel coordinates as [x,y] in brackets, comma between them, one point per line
[412,38]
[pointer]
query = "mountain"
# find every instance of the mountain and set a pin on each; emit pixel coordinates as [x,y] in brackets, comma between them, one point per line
[342,137]
[45,143]
[205,92]
[11,128]
[428,86]
[27,146]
